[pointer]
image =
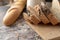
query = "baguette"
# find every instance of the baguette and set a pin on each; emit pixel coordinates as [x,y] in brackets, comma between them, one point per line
[49,14]
[13,12]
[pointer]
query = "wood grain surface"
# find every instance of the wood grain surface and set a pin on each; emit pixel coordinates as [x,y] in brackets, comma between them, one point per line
[47,32]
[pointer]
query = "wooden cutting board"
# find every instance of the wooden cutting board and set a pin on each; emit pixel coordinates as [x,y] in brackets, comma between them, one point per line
[47,32]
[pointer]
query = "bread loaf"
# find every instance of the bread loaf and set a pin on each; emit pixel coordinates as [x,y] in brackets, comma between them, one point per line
[13,12]
[36,15]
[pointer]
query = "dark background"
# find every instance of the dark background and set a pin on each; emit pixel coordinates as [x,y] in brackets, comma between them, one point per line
[48,0]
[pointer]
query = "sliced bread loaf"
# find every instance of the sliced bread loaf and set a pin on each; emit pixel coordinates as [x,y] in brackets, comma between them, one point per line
[37,15]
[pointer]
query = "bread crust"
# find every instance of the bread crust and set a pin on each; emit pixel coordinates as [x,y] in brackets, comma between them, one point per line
[26,17]
[13,12]
[34,13]
[49,14]
[34,19]
[44,19]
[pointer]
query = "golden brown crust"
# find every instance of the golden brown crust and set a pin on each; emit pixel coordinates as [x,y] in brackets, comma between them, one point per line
[11,17]
[47,12]
[26,17]
[34,19]
[13,12]
[33,11]
[52,19]
[44,19]
[42,16]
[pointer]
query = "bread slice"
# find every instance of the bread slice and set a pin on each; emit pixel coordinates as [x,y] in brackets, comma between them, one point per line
[34,12]
[49,14]
[26,17]
[34,19]
[56,9]
[43,18]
